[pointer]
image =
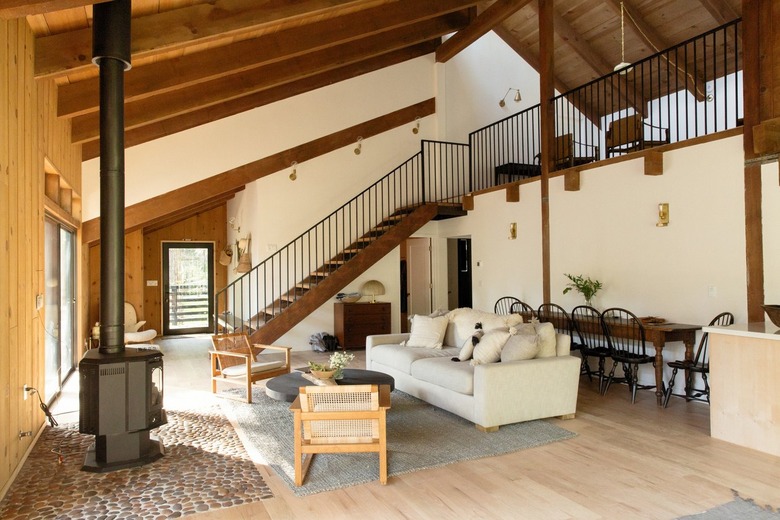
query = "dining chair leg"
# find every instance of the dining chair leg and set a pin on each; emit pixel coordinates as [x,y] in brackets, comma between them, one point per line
[634,375]
[585,366]
[706,385]
[603,391]
[668,392]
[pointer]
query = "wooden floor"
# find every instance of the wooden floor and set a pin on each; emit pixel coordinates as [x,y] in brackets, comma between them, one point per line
[628,461]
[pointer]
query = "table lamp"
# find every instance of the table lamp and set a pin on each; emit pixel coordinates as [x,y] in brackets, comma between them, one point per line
[373,288]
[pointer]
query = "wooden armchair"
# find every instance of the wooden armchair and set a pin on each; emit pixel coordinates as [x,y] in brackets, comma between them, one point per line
[234,360]
[564,153]
[340,419]
[628,134]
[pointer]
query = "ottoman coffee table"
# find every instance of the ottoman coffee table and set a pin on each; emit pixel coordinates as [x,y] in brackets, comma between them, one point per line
[286,387]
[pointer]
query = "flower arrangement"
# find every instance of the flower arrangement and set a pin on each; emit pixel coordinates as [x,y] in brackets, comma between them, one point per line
[583,285]
[337,363]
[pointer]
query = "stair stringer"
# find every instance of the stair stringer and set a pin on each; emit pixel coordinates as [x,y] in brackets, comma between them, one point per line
[351,270]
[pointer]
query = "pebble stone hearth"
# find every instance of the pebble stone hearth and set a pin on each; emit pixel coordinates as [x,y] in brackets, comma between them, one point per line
[205,468]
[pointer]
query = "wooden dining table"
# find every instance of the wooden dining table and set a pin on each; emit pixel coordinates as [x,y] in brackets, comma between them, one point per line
[659,334]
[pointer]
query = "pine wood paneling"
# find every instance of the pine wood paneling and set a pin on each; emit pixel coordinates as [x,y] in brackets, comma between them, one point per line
[29,134]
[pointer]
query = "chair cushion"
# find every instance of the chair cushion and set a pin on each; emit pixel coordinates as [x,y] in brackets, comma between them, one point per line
[401,358]
[257,366]
[458,377]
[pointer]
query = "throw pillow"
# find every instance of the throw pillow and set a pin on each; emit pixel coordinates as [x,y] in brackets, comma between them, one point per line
[427,332]
[471,342]
[519,347]
[488,350]
[547,339]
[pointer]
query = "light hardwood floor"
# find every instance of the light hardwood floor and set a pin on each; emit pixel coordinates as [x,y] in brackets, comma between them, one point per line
[628,461]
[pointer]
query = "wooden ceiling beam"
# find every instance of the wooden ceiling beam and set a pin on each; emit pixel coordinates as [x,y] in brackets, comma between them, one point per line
[226,183]
[486,21]
[720,10]
[220,20]
[82,97]
[219,90]
[12,9]
[156,130]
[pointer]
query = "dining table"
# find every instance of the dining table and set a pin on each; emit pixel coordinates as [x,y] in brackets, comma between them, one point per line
[657,332]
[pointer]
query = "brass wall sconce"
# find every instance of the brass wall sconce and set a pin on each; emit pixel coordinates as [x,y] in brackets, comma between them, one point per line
[517,97]
[359,146]
[293,174]
[663,215]
[416,128]
[513,231]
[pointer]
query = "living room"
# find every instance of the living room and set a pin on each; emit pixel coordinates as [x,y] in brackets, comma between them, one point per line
[685,272]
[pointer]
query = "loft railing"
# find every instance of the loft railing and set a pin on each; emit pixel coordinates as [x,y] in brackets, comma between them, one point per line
[438,173]
[505,150]
[686,91]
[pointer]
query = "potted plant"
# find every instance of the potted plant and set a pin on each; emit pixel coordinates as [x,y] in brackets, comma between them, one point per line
[583,285]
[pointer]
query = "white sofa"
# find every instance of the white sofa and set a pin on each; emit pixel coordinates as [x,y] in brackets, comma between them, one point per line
[490,394]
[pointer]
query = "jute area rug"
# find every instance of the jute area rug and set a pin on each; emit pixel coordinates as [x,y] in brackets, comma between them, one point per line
[205,468]
[739,508]
[419,436]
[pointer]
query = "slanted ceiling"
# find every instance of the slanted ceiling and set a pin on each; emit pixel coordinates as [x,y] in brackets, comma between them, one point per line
[196,61]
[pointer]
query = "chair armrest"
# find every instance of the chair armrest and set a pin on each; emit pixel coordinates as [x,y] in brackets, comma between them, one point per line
[229,354]
[261,347]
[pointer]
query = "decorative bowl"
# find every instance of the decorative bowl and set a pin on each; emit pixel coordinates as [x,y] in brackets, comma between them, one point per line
[773,311]
[323,374]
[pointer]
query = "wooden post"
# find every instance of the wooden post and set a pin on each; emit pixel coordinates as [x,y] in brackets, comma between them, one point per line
[547,122]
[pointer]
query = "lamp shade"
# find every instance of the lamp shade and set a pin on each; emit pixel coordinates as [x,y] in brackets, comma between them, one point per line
[372,288]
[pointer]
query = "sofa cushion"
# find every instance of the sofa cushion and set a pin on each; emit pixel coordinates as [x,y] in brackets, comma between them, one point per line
[547,338]
[488,350]
[462,322]
[401,358]
[427,332]
[520,347]
[458,377]
[467,350]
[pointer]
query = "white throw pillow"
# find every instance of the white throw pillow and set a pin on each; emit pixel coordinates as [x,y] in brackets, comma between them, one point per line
[520,347]
[467,349]
[488,350]
[427,332]
[546,333]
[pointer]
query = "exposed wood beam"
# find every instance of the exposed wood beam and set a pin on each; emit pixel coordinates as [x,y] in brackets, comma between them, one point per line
[487,20]
[82,97]
[654,40]
[720,10]
[146,133]
[68,52]
[181,199]
[547,128]
[766,137]
[219,90]
[12,9]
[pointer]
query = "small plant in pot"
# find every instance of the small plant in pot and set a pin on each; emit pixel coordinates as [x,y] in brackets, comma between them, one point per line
[584,285]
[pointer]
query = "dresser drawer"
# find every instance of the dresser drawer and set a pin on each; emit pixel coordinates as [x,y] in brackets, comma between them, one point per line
[352,322]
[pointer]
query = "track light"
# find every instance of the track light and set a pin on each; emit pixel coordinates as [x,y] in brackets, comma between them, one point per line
[359,146]
[517,97]
[416,128]
[293,174]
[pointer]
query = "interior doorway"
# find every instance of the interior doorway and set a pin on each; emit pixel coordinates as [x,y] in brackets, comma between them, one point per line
[59,313]
[459,273]
[188,286]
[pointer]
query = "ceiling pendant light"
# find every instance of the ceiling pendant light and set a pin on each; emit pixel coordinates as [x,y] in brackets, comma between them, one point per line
[623,67]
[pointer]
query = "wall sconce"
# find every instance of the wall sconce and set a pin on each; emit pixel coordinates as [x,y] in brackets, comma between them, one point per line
[373,288]
[517,97]
[233,225]
[293,174]
[513,231]
[663,215]
[416,128]
[359,145]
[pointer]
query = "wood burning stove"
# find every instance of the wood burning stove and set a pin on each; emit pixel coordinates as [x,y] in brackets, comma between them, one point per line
[120,401]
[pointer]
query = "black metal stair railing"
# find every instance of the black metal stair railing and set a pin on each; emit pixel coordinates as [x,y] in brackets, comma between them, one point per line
[438,173]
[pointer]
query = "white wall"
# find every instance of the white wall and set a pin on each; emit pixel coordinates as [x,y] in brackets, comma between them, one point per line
[771,223]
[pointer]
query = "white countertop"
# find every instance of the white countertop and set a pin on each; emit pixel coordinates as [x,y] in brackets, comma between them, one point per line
[761,330]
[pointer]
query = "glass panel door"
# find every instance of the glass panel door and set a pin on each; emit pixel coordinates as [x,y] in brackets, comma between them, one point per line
[188,286]
[59,312]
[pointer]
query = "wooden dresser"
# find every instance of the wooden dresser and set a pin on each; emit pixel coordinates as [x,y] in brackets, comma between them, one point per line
[352,322]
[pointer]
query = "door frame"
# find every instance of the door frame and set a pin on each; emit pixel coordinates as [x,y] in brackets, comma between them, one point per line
[165,246]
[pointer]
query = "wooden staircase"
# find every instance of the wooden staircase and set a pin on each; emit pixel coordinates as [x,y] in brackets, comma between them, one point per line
[305,297]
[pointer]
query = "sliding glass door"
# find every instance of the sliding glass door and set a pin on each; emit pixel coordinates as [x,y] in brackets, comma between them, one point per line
[59,313]
[188,287]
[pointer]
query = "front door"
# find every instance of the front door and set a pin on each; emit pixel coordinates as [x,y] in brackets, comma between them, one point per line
[418,268]
[188,287]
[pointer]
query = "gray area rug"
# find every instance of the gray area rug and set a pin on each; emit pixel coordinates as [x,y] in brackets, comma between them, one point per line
[739,508]
[205,468]
[419,436]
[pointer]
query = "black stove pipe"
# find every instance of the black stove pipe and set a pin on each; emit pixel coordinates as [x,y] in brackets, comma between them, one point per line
[111,53]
